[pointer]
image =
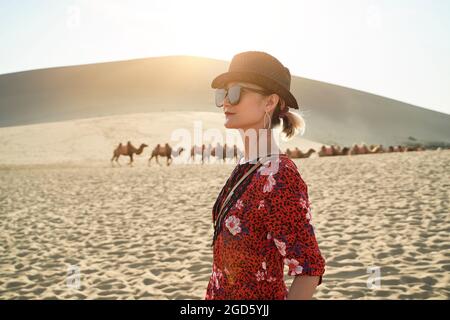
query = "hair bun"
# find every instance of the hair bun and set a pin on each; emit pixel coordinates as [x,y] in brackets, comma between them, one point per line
[284,111]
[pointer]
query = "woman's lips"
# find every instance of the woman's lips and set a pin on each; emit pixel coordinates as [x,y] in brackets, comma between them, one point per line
[228,113]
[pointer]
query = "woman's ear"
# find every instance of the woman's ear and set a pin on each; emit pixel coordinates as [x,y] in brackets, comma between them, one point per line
[272,102]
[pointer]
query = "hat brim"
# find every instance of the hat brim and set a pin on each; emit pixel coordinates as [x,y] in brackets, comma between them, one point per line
[221,80]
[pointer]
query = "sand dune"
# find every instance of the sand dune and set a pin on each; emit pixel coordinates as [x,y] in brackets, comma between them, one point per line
[142,233]
[335,114]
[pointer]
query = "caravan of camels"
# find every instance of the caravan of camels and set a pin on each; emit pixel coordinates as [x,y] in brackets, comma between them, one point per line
[222,153]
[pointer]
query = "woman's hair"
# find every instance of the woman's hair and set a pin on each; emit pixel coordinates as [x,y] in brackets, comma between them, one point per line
[293,123]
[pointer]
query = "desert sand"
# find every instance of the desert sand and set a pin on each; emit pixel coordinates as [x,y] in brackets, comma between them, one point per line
[144,232]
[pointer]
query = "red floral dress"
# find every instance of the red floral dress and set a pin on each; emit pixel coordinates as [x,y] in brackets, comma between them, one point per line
[267,225]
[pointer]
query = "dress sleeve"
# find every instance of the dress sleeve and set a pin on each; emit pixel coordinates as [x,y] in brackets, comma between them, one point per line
[288,223]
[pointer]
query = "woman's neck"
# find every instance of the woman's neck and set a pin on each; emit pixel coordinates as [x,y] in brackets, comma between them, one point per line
[258,144]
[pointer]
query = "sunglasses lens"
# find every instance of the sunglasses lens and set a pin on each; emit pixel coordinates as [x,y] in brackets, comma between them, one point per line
[220,96]
[234,93]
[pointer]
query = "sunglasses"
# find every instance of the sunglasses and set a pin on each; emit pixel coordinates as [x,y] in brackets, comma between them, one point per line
[234,94]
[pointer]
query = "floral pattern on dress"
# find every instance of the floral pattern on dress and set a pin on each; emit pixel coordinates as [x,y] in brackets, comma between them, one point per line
[261,204]
[262,275]
[281,246]
[233,224]
[294,267]
[266,228]
[268,186]
[239,204]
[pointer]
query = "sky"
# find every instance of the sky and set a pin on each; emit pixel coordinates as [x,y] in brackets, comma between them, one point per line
[394,48]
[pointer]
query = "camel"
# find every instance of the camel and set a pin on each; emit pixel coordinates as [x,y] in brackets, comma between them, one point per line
[345,151]
[330,151]
[207,153]
[398,148]
[219,152]
[198,150]
[356,149]
[335,150]
[363,149]
[164,151]
[415,148]
[127,150]
[297,153]
[237,153]
[230,152]
[377,148]
[338,151]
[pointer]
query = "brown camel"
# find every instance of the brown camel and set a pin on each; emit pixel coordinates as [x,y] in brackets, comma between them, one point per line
[363,149]
[230,152]
[219,152]
[330,151]
[356,149]
[345,151]
[127,150]
[236,152]
[415,148]
[377,148]
[336,150]
[298,154]
[164,151]
[205,151]
[198,150]
[396,149]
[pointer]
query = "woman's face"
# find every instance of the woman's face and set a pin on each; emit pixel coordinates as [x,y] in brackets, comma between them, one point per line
[249,112]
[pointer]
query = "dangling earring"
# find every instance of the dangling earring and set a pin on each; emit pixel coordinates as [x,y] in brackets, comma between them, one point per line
[266,114]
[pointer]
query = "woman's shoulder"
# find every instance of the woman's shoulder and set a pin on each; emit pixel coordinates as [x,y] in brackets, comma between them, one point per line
[288,164]
[279,165]
[281,174]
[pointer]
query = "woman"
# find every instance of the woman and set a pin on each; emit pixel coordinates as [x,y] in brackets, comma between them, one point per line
[264,224]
